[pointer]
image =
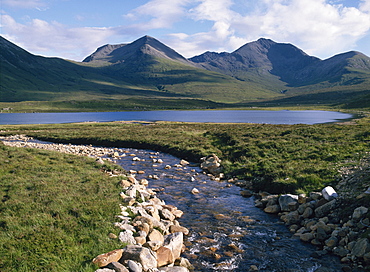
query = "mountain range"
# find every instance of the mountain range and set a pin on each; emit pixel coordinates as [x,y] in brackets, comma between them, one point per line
[260,71]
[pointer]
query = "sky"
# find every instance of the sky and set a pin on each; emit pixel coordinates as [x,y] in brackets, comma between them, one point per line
[73,29]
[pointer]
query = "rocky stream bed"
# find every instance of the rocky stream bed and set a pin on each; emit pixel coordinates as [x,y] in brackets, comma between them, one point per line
[225,227]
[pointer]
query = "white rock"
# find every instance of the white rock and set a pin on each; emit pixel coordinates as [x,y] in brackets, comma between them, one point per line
[127,236]
[329,193]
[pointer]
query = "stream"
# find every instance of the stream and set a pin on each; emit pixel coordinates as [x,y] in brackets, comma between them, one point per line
[227,232]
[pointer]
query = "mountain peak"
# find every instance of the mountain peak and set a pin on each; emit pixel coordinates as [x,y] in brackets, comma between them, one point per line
[145,45]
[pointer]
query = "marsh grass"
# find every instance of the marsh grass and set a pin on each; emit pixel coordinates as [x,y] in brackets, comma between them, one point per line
[56,211]
[276,158]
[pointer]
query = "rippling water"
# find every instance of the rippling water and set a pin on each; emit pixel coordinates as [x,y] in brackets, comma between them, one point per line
[227,233]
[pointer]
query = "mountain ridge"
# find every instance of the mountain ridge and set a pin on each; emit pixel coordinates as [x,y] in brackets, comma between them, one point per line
[261,70]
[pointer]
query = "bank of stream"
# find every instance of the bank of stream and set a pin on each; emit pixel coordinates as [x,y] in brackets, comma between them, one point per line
[227,232]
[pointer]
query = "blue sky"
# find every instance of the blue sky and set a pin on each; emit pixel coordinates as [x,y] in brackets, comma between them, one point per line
[73,29]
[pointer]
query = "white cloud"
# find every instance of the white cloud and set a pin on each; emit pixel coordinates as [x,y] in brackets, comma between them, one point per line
[158,13]
[365,6]
[54,39]
[25,3]
[316,26]
[213,10]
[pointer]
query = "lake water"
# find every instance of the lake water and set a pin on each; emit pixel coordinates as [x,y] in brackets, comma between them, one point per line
[212,116]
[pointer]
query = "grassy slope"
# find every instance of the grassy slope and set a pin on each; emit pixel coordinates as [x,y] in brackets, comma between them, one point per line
[35,78]
[56,211]
[26,77]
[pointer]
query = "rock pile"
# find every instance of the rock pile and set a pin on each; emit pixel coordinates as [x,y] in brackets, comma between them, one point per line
[149,227]
[80,150]
[317,219]
[212,165]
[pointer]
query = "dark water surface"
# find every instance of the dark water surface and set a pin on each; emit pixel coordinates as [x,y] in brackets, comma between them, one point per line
[213,116]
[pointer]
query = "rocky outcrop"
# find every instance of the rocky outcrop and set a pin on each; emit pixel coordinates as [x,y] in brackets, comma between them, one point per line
[319,219]
[151,231]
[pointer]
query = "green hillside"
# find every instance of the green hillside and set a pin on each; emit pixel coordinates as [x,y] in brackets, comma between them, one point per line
[128,76]
[26,77]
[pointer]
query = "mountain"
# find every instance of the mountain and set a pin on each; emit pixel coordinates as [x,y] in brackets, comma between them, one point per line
[125,52]
[144,68]
[282,63]
[262,70]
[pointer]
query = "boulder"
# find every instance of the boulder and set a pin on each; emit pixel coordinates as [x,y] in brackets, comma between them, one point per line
[359,212]
[166,215]
[174,241]
[153,245]
[184,162]
[291,218]
[178,213]
[184,263]
[212,164]
[106,258]
[134,266]
[139,254]
[246,193]
[174,229]
[285,200]
[308,212]
[117,267]
[340,251]
[321,234]
[164,256]
[331,242]
[302,198]
[140,240]
[143,223]
[329,193]
[127,237]
[361,247]
[272,209]
[315,195]
[325,209]
[306,237]
[155,235]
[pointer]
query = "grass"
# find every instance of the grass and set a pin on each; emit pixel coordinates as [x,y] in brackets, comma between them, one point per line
[276,158]
[56,211]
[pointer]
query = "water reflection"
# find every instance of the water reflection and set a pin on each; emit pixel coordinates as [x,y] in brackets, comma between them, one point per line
[212,116]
